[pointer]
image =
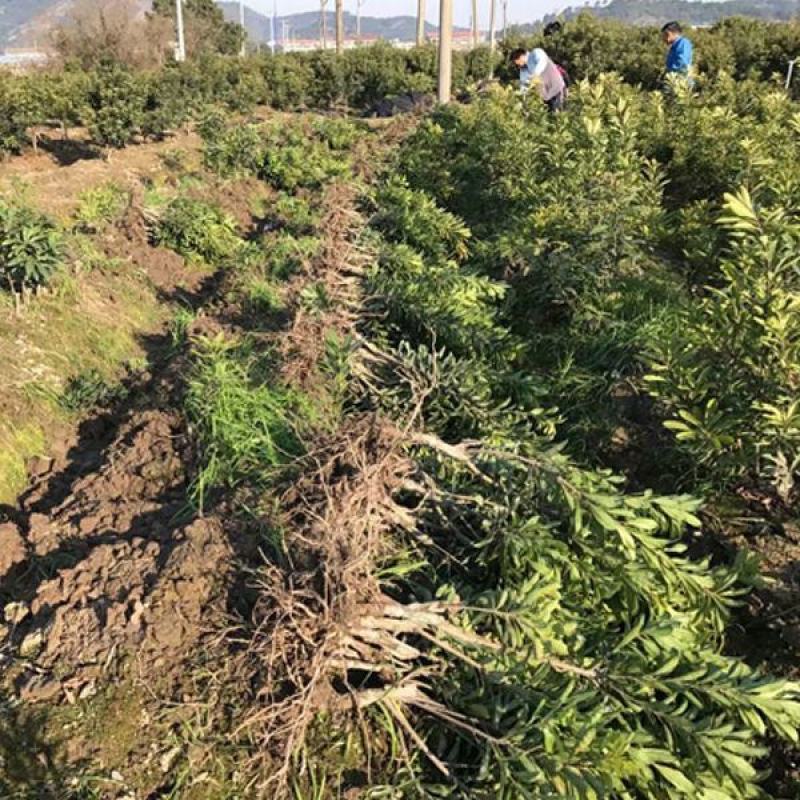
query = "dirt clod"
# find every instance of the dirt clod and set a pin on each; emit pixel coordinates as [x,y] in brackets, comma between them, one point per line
[12,547]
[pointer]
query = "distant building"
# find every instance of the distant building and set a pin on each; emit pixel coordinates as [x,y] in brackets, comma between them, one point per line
[308,45]
[462,40]
[20,58]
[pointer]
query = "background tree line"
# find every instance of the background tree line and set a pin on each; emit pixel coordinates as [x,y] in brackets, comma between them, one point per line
[116,75]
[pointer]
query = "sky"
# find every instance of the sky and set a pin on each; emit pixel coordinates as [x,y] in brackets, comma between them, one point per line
[518,10]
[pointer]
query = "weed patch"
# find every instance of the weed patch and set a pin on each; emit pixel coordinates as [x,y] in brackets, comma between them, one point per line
[246,426]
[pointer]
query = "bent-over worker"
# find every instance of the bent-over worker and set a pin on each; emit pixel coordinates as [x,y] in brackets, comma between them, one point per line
[537,69]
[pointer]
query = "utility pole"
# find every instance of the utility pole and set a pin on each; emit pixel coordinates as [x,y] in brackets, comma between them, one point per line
[420,23]
[273,32]
[505,19]
[492,42]
[474,23]
[359,3]
[339,27]
[445,50]
[180,50]
[323,23]
[243,52]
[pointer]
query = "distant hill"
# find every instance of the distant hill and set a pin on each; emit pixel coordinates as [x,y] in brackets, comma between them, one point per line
[693,12]
[306,25]
[16,15]
[27,23]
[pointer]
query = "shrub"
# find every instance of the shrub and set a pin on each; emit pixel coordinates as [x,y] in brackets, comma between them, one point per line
[231,151]
[288,80]
[287,253]
[293,162]
[262,297]
[585,658]
[413,218]
[165,108]
[728,369]
[13,122]
[101,206]
[338,133]
[295,214]
[197,230]
[116,103]
[31,248]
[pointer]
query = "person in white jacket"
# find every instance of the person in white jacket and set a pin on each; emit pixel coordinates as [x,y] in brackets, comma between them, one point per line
[537,69]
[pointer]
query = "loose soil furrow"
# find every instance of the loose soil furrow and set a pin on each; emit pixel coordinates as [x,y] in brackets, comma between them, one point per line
[110,567]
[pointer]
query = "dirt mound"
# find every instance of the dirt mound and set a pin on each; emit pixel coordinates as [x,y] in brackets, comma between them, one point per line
[124,579]
[130,242]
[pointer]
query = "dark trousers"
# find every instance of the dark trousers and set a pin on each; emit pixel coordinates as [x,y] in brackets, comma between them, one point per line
[555,104]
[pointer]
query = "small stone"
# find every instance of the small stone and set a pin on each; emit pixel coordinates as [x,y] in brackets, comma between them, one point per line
[90,690]
[168,759]
[15,613]
[117,776]
[31,644]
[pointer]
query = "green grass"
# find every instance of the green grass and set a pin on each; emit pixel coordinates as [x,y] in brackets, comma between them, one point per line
[86,390]
[245,424]
[17,445]
[89,325]
[103,205]
[262,297]
[179,326]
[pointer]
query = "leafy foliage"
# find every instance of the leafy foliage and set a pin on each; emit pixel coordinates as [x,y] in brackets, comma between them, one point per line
[587,661]
[197,230]
[116,101]
[293,162]
[729,370]
[231,151]
[101,206]
[287,254]
[31,248]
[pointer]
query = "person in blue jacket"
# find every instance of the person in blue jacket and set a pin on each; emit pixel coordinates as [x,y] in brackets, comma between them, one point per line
[681,52]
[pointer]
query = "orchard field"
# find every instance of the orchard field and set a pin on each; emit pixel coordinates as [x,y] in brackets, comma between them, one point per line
[449,455]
